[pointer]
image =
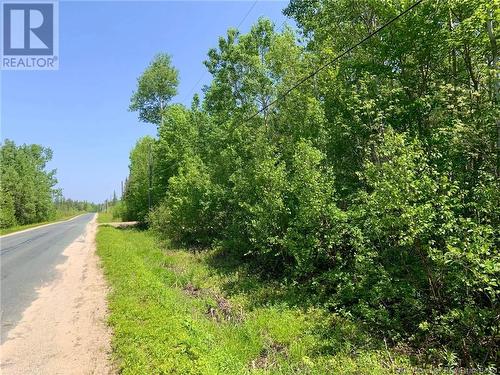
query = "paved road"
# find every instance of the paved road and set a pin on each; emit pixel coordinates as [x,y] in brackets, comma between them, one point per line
[28,260]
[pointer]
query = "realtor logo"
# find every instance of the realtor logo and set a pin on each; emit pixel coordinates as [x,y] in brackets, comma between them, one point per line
[30,35]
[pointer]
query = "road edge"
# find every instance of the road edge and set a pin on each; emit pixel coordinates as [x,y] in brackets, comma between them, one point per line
[67,322]
[43,225]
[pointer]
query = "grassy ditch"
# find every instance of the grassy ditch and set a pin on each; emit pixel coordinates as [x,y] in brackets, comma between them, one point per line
[178,312]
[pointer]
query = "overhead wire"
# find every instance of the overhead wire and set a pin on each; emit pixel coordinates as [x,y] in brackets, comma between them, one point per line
[335,59]
[205,72]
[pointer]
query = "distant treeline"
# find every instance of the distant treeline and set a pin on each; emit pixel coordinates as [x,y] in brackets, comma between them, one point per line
[374,184]
[27,190]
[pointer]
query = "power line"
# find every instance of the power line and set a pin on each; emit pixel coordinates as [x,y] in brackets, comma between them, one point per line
[196,84]
[247,14]
[205,72]
[336,58]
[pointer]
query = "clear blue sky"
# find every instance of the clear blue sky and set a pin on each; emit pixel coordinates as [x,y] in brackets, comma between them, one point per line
[80,111]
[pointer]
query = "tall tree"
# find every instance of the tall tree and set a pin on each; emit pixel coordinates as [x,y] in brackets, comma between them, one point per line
[27,187]
[375,178]
[155,88]
[137,194]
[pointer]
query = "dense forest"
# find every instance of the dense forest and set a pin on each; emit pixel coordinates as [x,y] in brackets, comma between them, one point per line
[27,189]
[372,184]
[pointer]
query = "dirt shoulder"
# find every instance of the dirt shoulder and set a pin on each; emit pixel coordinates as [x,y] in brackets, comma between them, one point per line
[64,330]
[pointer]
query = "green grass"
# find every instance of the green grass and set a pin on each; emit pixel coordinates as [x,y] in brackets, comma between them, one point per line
[18,228]
[183,313]
[106,217]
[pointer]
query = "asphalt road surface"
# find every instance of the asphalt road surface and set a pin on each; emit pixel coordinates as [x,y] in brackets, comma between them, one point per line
[28,260]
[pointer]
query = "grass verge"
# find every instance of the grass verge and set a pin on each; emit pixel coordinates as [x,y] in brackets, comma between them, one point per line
[107,217]
[18,228]
[178,312]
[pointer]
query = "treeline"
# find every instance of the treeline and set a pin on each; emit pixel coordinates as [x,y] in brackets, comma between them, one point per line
[374,183]
[68,207]
[27,190]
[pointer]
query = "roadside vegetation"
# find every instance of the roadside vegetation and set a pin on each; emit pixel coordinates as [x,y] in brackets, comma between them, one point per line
[106,217]
[58,217]
[182,312]
[374,185]
[113,213]
[28,196]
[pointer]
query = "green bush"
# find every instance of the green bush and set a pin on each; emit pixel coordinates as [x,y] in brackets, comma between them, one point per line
[423,271]
[373,184]
[7,210]
[317,225]
[258,214]
[186,214]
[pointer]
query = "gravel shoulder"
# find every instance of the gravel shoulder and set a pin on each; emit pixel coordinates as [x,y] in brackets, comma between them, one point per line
[64,330]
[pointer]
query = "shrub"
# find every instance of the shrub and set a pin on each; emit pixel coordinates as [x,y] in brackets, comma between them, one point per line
[186,215]
[424,270]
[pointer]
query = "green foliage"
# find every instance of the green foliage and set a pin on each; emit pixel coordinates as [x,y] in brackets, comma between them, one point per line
[178,135]
[118,210]
[316,229]
[422,267]
[114,213]
[184,313]
[137,194]
[70,207]
[155,88]
[257,214]
[374,184]
[184,215]
[27,188]
[7,209]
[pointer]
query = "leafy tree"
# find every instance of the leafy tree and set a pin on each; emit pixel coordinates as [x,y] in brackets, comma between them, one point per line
[28,187]
[155,88]
[7,209]
[184,216]
[374,183]
[137,194]
[177,139]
